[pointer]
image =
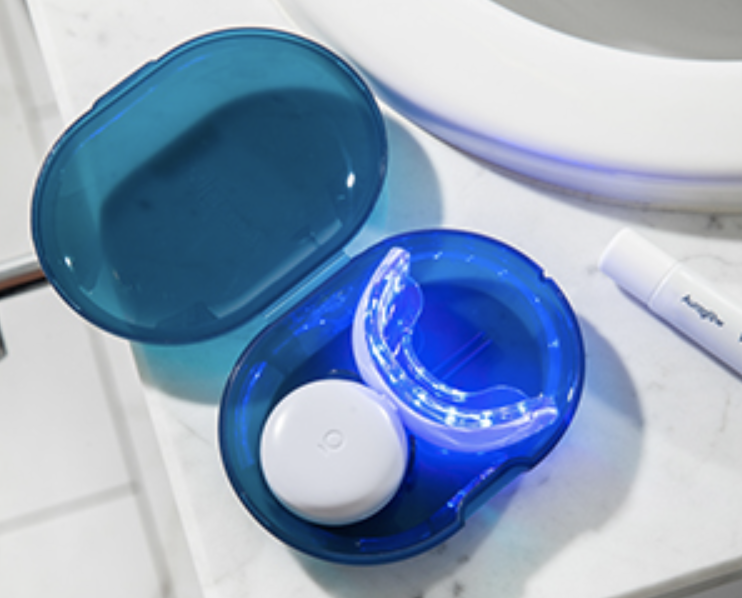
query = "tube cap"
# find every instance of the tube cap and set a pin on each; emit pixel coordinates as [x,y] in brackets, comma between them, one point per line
[635,264]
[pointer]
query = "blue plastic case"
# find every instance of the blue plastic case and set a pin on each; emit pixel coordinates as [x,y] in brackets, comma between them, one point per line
[216,181]
[490,317]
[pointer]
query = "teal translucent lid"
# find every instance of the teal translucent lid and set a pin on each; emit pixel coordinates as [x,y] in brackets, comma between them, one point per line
[203,187]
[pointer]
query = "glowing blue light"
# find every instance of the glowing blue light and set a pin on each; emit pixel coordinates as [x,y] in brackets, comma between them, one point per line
[382,344]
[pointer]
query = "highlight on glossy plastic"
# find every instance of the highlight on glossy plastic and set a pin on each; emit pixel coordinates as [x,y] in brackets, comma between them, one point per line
[491,321]
[477,420]
[207,184]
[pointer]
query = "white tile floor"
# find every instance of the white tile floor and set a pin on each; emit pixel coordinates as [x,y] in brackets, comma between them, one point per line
[86,510]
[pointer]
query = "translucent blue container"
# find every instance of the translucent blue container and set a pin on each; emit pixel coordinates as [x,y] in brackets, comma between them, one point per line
[213,185]
[490,317]
[207,184]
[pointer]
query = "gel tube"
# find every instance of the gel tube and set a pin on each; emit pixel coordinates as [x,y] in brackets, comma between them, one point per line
[382,346]
[676,294]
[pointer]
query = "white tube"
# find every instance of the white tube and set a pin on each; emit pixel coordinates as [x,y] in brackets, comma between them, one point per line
[676,294]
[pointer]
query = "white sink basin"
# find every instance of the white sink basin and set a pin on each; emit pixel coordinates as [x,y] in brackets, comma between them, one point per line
[696,29]
[611,122]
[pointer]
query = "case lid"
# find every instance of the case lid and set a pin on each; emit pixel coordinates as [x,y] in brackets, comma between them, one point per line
[208,183]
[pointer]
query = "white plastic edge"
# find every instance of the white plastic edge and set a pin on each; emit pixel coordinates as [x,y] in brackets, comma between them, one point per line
[658,131]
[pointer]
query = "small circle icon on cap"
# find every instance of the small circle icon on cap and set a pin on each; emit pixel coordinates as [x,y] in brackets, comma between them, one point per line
[333,440]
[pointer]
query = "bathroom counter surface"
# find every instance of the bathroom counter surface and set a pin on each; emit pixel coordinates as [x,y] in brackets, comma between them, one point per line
[641,498]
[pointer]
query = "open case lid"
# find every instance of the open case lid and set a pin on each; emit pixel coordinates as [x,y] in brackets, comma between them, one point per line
[208,183]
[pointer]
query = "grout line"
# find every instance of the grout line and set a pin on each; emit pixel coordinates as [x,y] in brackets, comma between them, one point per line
[131,462]
[44,110]
[9,39]
[65,508]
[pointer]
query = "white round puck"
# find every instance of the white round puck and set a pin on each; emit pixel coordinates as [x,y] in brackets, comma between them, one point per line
[333,452]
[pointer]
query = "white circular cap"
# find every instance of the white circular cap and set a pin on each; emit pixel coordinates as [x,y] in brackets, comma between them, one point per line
[635,264]
[333,452]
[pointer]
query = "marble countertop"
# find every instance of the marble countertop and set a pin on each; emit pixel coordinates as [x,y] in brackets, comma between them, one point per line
[640,499]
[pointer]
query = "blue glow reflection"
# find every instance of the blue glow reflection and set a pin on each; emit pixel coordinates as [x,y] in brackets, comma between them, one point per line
[485,419]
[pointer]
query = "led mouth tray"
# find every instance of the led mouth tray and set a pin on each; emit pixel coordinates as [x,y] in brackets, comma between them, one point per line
[480,352]
[465,420]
